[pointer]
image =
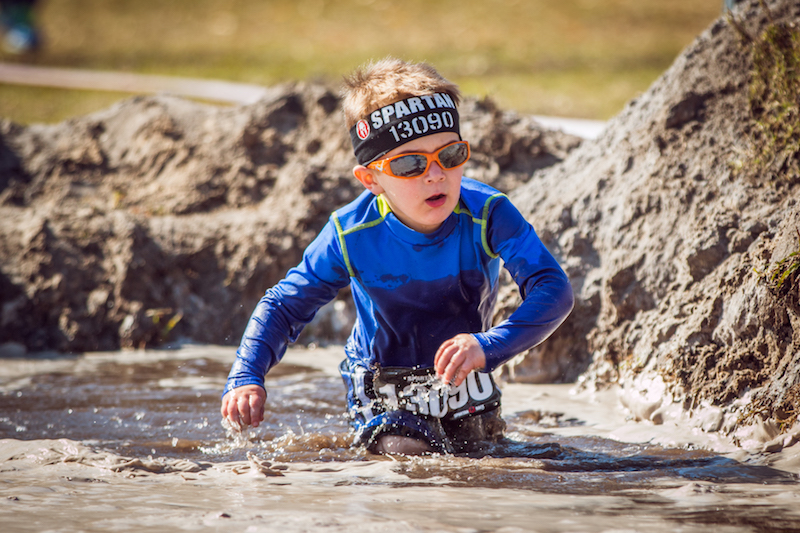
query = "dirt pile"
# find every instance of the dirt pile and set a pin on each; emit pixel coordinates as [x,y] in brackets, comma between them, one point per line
[163,219]
[679,226]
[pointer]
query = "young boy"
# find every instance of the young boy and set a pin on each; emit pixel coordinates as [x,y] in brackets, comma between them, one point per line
[421,250]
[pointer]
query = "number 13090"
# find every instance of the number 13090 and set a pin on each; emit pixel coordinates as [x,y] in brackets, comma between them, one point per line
[421,125]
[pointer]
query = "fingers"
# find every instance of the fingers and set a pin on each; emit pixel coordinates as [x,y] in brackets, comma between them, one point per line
[457,357]
[450,362]
[442,358]
[244,406]
[456,370]
[445,345]
[256,410]
[229,409]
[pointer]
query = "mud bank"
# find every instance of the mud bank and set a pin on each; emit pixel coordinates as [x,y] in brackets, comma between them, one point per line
[162,218]
[674,226]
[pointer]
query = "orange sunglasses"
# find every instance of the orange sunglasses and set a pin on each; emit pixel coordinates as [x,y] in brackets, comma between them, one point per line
[406,166]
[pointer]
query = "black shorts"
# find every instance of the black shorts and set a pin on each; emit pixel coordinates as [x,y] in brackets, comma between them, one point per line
[451,422]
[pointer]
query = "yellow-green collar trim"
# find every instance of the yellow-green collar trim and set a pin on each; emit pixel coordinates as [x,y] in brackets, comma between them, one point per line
[384,209]
[484,222]
[383,206]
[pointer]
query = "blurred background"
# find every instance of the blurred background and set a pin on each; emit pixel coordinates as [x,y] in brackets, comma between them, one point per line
[570,58]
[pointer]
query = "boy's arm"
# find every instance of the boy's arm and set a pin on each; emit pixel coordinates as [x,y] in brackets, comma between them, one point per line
[544,287]
[287,307]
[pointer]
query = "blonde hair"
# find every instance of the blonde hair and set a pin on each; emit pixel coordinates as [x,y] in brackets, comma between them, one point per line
[381,83]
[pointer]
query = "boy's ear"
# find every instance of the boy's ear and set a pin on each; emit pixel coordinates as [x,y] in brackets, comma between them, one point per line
[368,179]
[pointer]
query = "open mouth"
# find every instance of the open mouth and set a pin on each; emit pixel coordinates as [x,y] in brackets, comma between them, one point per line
[436,200]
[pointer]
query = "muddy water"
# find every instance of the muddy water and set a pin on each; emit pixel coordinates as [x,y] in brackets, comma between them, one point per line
[132,440]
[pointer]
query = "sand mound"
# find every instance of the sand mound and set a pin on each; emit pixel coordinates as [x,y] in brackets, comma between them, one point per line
[162,219]
[675,227]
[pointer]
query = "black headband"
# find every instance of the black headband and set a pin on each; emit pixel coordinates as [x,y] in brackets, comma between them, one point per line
[403,121]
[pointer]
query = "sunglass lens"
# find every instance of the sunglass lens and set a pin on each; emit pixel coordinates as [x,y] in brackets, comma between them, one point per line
[453,155]
[408,166]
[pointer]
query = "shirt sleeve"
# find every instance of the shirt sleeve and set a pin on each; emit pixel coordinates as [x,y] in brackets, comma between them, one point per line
[287,307]
[544,287]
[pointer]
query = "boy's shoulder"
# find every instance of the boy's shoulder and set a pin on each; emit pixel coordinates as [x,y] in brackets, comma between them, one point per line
[477,187]
[477,196]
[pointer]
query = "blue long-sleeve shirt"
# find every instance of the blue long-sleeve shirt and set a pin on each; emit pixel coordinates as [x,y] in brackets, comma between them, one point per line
[412,291]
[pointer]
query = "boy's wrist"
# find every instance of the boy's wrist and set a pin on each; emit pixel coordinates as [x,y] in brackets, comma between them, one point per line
[491,361]
[235,383]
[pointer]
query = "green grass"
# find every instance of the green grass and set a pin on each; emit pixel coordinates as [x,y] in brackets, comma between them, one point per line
[782,277]
[582,58]
[42,104]
[775,101]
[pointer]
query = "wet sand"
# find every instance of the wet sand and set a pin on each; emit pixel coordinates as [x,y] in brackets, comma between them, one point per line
[125,441]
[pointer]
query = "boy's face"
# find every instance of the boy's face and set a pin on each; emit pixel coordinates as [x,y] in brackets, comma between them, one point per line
[424,202]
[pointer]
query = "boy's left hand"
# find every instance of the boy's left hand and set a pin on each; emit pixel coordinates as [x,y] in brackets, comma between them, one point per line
[457,357]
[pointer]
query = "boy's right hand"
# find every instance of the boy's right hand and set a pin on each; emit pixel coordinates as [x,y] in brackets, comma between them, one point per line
[244,406]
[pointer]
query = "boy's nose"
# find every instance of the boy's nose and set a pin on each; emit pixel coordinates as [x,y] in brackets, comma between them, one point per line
[435,172]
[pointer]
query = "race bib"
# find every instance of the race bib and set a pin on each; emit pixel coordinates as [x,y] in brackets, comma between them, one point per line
[422,393]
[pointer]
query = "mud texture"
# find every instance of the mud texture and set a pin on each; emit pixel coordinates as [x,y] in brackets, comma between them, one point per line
[162,219]
[675,231]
